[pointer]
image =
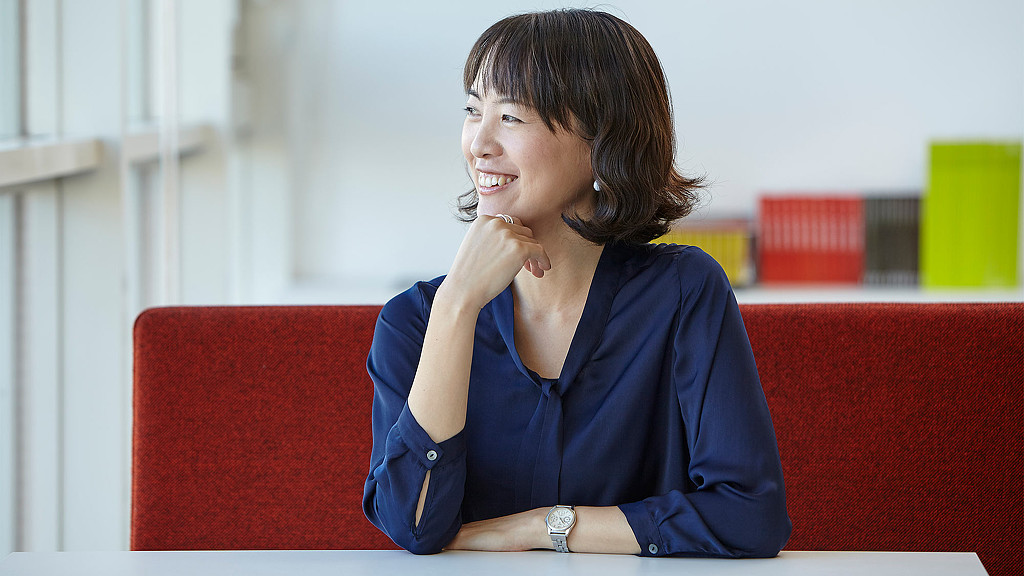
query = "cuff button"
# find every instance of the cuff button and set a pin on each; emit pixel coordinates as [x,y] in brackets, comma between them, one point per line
[653,548]
[431,455]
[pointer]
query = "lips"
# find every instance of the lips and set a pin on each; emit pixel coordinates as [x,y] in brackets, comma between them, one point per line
[489,183]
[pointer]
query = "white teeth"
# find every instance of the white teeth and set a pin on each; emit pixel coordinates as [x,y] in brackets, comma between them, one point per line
[488,180]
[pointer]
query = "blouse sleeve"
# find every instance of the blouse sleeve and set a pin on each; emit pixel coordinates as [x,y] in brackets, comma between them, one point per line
[402,451]
[736,506]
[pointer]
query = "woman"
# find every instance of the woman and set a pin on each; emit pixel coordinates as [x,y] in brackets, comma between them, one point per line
[567,385]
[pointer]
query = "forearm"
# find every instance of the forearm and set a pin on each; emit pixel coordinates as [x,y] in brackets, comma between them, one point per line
[603,530]
[598,529]
[440,389]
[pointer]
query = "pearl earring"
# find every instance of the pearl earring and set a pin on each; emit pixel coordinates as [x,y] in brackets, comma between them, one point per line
[597,186]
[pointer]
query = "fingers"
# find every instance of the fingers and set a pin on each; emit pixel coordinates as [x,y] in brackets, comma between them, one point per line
[533,267]
[516,225]
[541,262]
[536,260]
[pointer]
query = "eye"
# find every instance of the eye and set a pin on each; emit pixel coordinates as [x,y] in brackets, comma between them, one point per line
[509,119]
[470,111]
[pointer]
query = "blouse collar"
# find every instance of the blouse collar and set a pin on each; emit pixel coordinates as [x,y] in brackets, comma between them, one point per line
[589,331]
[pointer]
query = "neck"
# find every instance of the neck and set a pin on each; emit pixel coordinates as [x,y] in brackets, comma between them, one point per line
[573,263]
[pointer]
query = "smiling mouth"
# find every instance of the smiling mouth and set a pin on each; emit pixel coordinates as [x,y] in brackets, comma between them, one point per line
[490,183]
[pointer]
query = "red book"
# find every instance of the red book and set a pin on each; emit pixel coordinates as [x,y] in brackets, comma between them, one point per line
[811,239]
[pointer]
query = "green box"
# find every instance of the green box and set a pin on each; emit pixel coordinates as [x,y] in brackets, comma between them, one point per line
[971,215]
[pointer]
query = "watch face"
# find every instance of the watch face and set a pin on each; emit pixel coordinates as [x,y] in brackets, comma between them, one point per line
[561,518]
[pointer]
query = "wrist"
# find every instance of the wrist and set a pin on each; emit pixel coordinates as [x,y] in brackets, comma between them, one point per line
[451,298]
[531,531]
[537,530]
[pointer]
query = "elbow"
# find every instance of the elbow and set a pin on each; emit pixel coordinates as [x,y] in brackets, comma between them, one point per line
[767,545]
[765,537]
[402,535]
[420,544]
[420,540]
[429,536]
[421,547]
[408,539]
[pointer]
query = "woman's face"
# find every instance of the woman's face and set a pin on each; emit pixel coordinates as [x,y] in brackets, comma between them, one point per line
[519,166]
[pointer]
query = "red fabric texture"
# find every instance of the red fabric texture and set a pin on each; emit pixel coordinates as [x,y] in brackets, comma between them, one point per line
[252,428]
[899,425]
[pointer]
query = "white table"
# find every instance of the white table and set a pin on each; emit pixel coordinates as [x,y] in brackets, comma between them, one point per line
[383,562]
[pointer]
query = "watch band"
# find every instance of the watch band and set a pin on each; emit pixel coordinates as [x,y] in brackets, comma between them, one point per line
[559,541]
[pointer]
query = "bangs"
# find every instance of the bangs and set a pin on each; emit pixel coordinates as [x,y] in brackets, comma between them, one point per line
[514,59]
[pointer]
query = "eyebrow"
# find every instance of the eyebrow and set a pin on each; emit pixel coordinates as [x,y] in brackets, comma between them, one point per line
[505,100]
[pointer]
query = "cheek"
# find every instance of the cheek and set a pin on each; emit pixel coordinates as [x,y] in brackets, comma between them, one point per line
[583,171]
[581,151]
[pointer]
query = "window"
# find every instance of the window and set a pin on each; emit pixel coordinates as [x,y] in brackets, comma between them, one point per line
[10,127]
[10,69]
[140,63]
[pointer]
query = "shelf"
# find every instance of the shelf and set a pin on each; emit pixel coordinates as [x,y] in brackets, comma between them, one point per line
[369,293]
[804,294]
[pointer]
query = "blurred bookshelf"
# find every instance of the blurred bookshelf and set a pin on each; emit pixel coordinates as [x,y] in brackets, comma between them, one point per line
[956,240]
[333,293]
[810,293]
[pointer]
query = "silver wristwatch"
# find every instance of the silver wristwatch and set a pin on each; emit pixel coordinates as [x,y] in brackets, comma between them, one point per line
[560,521]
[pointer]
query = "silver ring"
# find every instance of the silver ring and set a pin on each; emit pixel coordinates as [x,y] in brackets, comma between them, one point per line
[506,218]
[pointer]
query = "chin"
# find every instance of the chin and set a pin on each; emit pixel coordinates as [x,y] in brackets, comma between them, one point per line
[484,208]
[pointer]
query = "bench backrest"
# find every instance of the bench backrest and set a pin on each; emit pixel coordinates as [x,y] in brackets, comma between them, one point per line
[900,426]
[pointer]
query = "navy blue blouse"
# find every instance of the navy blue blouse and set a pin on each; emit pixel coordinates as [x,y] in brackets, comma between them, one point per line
[658,410]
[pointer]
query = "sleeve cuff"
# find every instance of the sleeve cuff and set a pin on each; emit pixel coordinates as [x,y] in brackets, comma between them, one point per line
[644,529]
[430,454]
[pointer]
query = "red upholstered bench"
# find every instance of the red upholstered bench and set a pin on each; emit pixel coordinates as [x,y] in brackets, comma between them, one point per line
[900,426]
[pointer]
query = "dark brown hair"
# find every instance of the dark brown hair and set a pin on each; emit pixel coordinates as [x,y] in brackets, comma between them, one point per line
[596,76]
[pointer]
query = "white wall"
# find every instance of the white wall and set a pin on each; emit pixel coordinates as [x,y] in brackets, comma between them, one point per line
[769,96]
[208,200]
[265,158]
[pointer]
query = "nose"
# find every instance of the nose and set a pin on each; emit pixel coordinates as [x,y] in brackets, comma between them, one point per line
[485,140]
